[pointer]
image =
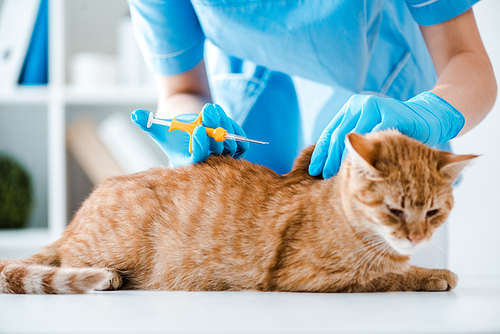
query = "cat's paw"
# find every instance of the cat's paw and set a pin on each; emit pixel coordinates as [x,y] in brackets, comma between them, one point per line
[114,282]
[440,280]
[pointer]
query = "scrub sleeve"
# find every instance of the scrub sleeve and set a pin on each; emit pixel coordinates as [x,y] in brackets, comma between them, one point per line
[168,33]
[429,12]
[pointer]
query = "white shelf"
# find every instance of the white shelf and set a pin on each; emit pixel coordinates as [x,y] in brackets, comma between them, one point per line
[25,95]
[72,95]
[109,95]
[59,98]
[16,244]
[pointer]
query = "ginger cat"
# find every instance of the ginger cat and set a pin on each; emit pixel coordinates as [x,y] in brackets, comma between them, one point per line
[226,224]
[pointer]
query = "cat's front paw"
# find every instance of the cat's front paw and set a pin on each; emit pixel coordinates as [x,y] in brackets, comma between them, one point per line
[440,280]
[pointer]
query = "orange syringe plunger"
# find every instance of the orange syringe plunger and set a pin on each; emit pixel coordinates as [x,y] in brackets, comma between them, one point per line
[219,134]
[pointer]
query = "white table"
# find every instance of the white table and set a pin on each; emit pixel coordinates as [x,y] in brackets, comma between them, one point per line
[464,310]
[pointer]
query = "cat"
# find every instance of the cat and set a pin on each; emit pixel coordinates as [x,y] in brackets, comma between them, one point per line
[226,224]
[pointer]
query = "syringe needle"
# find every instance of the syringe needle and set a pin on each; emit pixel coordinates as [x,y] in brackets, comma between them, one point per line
[241,138]
[256,141]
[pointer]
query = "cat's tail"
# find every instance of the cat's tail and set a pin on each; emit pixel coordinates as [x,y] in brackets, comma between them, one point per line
[22,278]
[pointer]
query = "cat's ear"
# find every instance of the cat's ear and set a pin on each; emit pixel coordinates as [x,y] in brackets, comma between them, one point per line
[364,154]
[450,165]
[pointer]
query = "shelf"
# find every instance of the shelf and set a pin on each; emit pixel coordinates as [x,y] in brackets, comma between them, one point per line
[72,29]
[15,244]
[24,95]
[110,95]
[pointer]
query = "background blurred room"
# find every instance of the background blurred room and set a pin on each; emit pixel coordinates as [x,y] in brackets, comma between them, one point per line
[72,132]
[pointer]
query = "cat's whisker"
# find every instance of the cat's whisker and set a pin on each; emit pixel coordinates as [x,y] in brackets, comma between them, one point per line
[379,245]
[442,252]
[368,255]
[373,251]
[458,244]
[435,245]
[374,240]
[377,258]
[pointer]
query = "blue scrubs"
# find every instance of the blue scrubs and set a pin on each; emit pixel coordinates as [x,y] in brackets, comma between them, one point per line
[253,46]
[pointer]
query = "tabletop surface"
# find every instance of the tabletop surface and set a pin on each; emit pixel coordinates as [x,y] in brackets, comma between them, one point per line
[465,310]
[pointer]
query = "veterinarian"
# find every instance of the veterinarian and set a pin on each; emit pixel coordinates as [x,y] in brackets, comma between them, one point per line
[415,65]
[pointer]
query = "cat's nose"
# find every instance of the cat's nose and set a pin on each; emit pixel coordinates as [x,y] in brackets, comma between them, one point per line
[415,239]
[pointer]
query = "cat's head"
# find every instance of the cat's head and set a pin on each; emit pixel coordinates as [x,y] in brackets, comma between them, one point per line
[399,188]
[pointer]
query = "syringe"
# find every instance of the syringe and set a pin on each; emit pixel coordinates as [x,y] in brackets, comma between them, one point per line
[219,134]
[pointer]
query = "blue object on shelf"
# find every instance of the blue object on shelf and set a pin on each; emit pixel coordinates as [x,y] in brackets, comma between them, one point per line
[36,63]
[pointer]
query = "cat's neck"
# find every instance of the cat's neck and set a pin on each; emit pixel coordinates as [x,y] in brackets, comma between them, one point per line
[360,223]
[365,237]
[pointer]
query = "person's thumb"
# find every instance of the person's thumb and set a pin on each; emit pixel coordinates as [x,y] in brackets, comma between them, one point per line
[140,118]
[200,144]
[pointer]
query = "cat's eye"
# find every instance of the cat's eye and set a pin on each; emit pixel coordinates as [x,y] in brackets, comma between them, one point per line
[432,213]
[397,212]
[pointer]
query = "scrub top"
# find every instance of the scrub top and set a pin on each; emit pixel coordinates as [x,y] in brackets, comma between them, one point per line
[250,46]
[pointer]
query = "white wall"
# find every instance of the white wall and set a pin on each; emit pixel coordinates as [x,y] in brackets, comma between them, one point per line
[475,222]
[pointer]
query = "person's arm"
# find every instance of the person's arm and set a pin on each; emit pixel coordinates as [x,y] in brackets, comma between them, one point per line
[184,96]
[185,93]
[172,42]
[463,95]
[465,75]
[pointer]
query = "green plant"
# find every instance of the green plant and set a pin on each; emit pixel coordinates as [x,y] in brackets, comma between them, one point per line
[16,196]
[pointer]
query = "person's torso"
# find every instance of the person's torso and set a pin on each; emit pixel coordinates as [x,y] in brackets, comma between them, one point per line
[372,46]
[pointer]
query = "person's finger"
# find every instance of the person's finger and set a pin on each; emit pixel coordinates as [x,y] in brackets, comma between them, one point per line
[318,157]
[337,140]
[210,119]
[225,122]
[334,157]
[140,118]
[242,147]
[369,117]
[385,126]
[155,131]
[405,126]
[420,127]
[320,152]
[200,144]
[186,118]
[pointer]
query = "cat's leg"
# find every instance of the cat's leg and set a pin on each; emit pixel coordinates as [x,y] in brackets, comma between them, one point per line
[415,279]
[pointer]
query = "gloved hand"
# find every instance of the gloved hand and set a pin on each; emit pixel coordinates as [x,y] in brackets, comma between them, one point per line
[175,143]
[426,117]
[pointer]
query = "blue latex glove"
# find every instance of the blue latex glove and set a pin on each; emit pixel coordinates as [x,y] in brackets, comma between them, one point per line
[175,144]
[426,117]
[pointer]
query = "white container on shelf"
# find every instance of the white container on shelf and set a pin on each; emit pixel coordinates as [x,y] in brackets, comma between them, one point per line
[94,69]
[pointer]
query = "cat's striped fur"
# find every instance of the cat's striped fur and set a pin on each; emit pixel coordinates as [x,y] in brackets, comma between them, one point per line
[226,224]
[21,278]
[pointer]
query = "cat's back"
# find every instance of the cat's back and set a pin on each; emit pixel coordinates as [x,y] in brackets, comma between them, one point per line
[218,175]
[206,219]
[218,182]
